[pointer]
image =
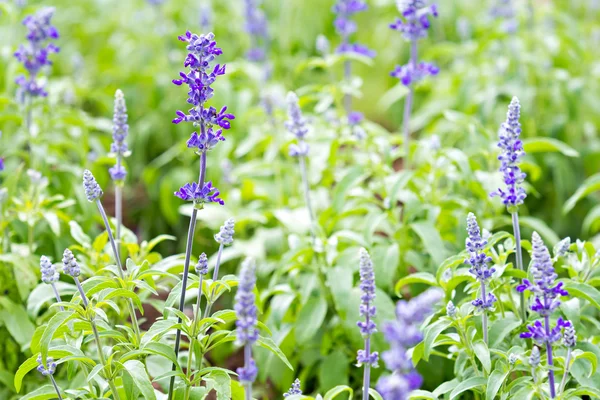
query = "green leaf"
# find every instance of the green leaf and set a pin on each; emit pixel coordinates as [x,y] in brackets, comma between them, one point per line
[580,289]
[501,328]
[373,393]
[585,391]
[336,391]
[17,322]
[540,227]
[341,189]
[431,333]
[421,394]
[137,371]
[221,382]
[417,277]
[432,241]
[270,345]
[46,392]
[310,318]
[162,349]
[548,145]
[494,383]
[57,320]
[483,354]
[79,236]
[587,355]
[471,383]
[589,186]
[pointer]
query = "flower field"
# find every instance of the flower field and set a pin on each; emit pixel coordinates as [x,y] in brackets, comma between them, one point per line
[299,199]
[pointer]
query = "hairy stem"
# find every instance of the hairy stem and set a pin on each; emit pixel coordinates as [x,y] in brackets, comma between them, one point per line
[367,367]
[549,357]
[563,382]
[55,387]
[134,321]
[211,299]
[519,256]
[484,314]
[57,295]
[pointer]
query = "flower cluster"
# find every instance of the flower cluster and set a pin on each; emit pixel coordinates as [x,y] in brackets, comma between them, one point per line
[70,265]
[225,235]
[414,27]
[512,151]
[345,27]
[49,362]
[296,125]
[92,190]
[295,389]
[246,313]
[505,10]
[120,130]
[367,308]
[479,261]
[257,28]
[193,192]
[202,266]
[49,272]
[35,54]
[401,334]
[570,337]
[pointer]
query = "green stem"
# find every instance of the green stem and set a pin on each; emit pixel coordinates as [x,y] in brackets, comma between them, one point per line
[55,387]
[519,255]
[211,299]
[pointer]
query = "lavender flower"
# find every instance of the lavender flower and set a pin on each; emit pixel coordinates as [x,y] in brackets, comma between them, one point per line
[535,357]
[402,334]
[295,389]
[202,266]
[49,272]
[70,265]
[570,337]
[367,308]
[296,125]
[451,309]
[247,333]
[345,27]
[546,299]
[92,190]
[206,140]
[562,248]
[120,130]
[505,11]
[49,362]
[257,28]
[35,54]
[414,27]
[512,151]
[478,261]
[1,164]
[225,235]
[200,196]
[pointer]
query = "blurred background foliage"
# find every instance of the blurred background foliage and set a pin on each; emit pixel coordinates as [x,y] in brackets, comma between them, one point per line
[410,220]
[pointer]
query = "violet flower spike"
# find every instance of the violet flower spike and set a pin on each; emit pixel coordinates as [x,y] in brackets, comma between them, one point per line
[257,28]
[295,389]
[569,340]
[367,327]
[50,276]
[48,370]
[479,261]
[402,334]
[247,333]
[546,295]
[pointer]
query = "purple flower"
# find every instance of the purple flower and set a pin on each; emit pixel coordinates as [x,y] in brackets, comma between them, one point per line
[1,164]
[505,10]
[34,55]
[246,313]
[413,73]
[225,235]
[512,151]
[49,272]
[120,131]
[70,265]
[205,140]
[478,261]
[295,389]
[570,337]
[535,357]
[401,334]
[202,266]
[367,309]
[92,190]
[296,125]
[49,362]
[355,118]
[257,28]
[345,27]
[193,192]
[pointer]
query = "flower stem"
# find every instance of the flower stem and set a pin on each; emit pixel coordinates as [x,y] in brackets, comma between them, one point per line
[55,387]
[57,295]
[563,382]
[408,103]
[211,300]
[197,316]
[134,321]
[367,367]
[118,216]
[519,256]
[247,358]
[306,189]
[484,314]
[347,77]
[549,356]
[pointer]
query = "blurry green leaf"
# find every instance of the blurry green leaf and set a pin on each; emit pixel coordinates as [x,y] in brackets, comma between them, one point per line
[310,318]
[336,391]
[494,383]
[431,240]
[583,290]
[16,320]
[55,322]
[431,333]
[483,354]
[589,186]
[46,392]
[547,145]
[137,371]
[471,383]
[373,393]
[500,329]
[79,236]
[270,345]
[540,227]
[417,277]
[341,189]
[221,382]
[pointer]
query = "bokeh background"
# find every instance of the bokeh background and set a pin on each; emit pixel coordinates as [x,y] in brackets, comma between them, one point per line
[546,54]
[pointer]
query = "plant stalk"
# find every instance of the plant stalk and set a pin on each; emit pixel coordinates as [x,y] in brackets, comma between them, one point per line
[55,387]
[211,299]
[367,368]
[519,257]
[549,357]
[57,295]
[484,314]
[247,358]
[408,104]
[563,382]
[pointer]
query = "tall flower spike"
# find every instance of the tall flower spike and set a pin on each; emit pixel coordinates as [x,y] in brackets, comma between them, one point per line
[510,142]
[70,265]
[257,27]
[478,261]
[246,313]
[202,266]
[225,235]
[296,125]
[120,131]
[35,54]
[295,389]
[570,337]
[49,272]
[401,334]
[345,27]
[92,190]
[367,308]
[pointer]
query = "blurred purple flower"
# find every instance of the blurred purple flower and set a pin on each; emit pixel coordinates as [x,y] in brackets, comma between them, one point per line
[192,192]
